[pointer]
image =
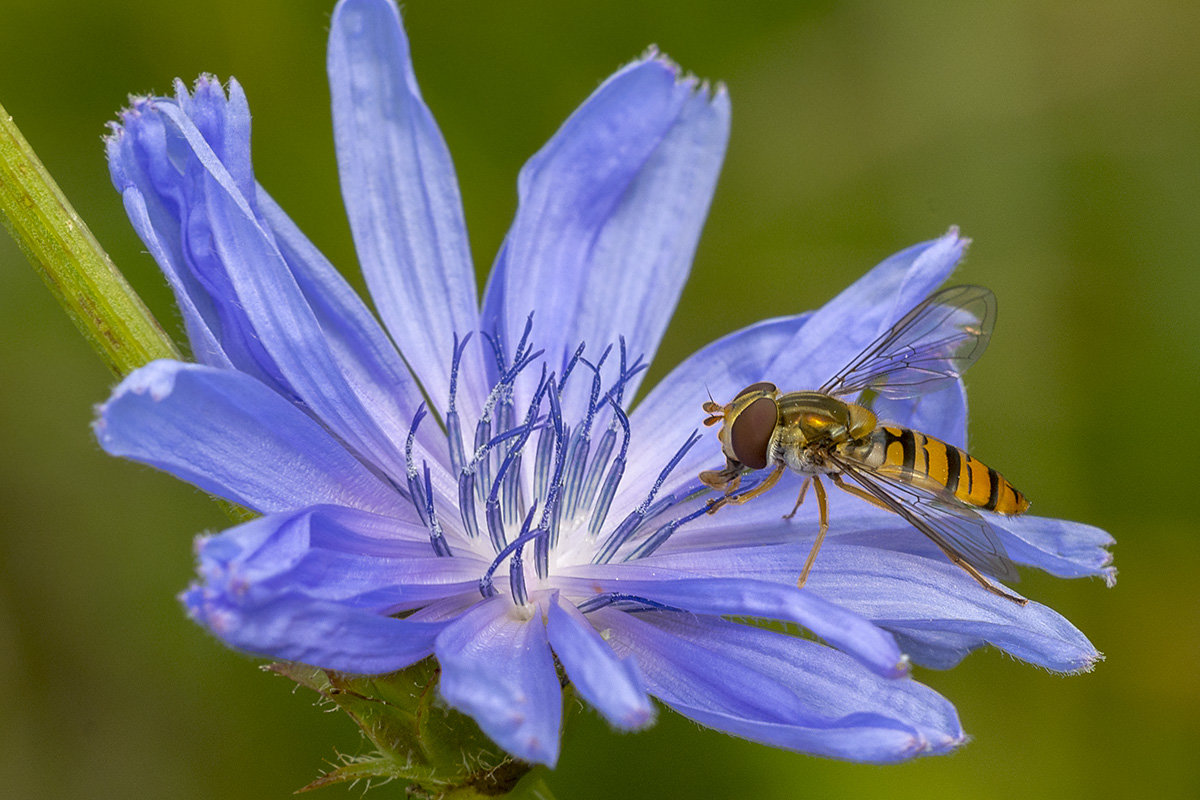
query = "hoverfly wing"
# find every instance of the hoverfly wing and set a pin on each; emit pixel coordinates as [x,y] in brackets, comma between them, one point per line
[957,529]
[929,347]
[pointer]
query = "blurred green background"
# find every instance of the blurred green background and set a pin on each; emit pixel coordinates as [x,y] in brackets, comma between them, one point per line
[1062,136]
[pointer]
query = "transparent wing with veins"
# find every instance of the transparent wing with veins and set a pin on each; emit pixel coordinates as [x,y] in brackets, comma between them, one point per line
[929,347]
[957,529]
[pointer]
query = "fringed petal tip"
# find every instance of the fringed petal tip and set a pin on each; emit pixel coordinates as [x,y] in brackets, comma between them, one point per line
[156,379]
[198,603]
[923,743]
[1087,664]
[941,746]
[717,93]
[206,85]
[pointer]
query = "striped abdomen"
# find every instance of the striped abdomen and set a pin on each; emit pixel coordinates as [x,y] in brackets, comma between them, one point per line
[925,462]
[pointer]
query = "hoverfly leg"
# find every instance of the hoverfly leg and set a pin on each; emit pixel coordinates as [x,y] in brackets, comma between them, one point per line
[800,499]
[726,480]
[823,517]
[747,496]
[857,492]
[983,581]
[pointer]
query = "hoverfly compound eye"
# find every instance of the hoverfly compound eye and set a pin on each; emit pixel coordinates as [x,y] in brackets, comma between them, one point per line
[750,433]
[761,386]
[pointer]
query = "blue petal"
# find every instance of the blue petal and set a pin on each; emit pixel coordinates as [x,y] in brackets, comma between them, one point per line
[362,350]
[1061,547]
[744,596]
[610,684]
[497,667]
[781,690]
[317,632]
[232,436]
[378,563]
[609,214]
[402,198]
[919,595]
[317,586]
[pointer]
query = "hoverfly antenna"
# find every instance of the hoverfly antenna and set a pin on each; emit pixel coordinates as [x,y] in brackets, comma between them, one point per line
[714,408]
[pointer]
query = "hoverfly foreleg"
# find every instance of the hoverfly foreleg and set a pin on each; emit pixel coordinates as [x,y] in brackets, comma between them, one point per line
[738,499]
[823,517]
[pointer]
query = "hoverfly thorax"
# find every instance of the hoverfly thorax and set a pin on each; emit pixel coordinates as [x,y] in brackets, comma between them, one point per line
[824,420]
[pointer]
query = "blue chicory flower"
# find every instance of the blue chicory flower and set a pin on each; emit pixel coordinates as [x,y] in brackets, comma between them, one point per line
[526,514]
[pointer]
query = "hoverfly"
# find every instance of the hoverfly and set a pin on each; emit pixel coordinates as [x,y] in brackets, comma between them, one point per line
[934,486]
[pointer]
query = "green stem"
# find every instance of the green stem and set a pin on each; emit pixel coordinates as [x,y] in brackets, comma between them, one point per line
[79,273]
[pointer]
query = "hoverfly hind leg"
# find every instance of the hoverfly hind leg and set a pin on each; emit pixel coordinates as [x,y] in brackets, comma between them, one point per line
[984,582]
[857,492]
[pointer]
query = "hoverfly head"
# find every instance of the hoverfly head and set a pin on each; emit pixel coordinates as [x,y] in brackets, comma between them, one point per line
[750,421]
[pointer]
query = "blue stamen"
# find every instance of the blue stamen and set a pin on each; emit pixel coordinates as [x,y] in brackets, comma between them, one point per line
[506,476]
[632,522]
[581,443]
[628,602]
[520,352]
[570,478]
[516,567]
[497,350]
[577,453]
[480,462]
[541,464]
[570,366]
[618,389]
[591,482]
[436,537]
[556,419]
[550,512]
[414,486]
[485,583]
[466,503]
[453,426]
[609,489]
[495,524]
[516,577]
[660,536]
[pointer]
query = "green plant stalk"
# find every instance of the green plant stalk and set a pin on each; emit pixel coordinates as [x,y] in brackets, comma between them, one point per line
[80,275]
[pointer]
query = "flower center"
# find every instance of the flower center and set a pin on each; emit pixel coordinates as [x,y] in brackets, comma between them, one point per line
[560,502]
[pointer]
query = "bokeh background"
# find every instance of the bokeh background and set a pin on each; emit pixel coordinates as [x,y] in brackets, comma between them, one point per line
[1062,136]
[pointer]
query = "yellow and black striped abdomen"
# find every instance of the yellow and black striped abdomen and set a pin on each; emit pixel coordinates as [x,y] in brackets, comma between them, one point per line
[929,463]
